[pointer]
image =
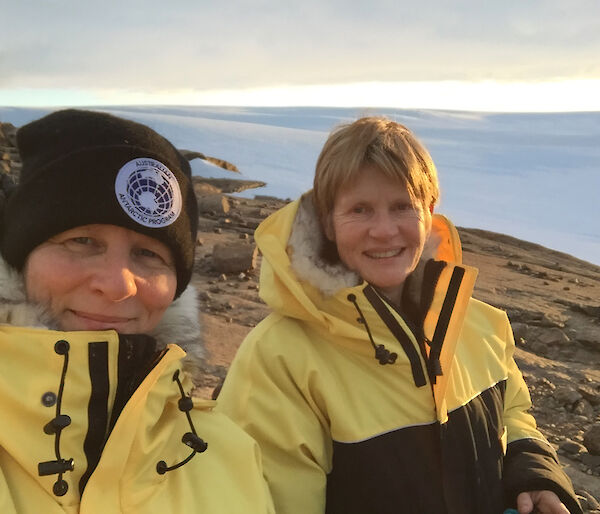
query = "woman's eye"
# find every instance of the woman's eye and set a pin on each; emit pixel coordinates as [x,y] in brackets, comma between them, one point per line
[405,209]
[82,240]
[358,209]
[144,252]
[82,245]
[403,206]
[153,258]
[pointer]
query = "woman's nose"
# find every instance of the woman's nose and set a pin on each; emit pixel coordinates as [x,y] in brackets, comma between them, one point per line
[116,281]
[383,226]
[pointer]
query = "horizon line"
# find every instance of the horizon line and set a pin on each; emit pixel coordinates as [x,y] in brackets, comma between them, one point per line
[560,96]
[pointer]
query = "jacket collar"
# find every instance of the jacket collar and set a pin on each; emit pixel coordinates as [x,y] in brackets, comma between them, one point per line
[178,325]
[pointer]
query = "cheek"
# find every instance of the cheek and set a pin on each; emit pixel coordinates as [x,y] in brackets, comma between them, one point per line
[45,280]
[347,238]
[347,231]
[419,234]
[159,293]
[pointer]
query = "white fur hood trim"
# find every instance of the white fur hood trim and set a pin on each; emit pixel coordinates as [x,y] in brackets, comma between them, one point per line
[179,324]
[305,247]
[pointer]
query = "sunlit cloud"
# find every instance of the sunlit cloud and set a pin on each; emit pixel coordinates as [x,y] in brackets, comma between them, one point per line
[467,55]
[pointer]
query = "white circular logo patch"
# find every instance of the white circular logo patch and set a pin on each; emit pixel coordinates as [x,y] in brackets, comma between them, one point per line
[148,192]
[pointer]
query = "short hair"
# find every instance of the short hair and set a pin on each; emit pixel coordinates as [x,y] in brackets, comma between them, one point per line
[377,142]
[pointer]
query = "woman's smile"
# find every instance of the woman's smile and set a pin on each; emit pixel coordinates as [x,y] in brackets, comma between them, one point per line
[383,254]
[100,321]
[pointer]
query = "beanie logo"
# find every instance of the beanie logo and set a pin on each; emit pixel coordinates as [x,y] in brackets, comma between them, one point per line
[148,192]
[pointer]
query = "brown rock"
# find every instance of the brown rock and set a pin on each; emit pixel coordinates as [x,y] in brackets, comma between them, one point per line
[552,336]
[590,503]
[591,395]
[234,257]
[191,154]
[590,310]
[566,396]
[572,447]
[593,461]
[591,440]
[222,164]
[213,203]
[583,408]
[10,133]
[520,331]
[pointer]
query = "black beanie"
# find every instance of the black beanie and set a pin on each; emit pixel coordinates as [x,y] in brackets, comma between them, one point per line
[83,167]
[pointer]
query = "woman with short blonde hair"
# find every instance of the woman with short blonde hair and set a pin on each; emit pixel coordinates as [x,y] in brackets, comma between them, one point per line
[378,384]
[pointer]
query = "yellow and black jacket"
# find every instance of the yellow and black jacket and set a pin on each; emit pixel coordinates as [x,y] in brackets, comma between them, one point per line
[362,407]
[98,422]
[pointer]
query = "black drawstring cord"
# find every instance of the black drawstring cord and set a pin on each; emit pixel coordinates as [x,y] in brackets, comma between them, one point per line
[190,439]
[382,354]
[55,426]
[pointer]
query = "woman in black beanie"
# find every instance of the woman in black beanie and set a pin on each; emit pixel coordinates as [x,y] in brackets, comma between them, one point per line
[98,244]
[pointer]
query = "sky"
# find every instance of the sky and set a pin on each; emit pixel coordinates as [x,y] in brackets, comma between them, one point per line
[528,56]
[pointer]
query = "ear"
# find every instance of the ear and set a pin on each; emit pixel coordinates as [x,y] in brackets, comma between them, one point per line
[431,206]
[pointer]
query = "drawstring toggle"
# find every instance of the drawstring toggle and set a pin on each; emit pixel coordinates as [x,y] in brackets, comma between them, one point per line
[194,442]
[382,354]
[190,439]
[55,467]
[57,424]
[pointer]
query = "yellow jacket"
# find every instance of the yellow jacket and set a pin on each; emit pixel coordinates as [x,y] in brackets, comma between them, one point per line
[114,459]
[427,431]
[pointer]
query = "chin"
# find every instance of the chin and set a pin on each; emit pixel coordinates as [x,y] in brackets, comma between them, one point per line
[389,283]
[391,288]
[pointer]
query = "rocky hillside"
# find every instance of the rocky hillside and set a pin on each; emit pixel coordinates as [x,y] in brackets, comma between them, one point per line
[552,299]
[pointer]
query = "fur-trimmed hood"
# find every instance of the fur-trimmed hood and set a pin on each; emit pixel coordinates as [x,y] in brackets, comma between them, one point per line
[296,278]
[333,304]
[179,324]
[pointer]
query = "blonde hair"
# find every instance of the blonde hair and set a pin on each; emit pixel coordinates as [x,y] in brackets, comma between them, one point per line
[380,144]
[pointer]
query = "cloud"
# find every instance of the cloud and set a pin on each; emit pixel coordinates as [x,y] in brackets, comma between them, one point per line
[154,45]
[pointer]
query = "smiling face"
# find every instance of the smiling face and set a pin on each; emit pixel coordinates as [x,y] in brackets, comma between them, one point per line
[100,277]
[378,232]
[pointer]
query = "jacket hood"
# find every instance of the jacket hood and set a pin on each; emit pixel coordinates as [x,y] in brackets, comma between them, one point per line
[332,301]
[297,281]
[179,324]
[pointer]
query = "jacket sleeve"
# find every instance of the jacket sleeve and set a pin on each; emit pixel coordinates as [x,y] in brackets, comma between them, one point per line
[275,403]
[530,464]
